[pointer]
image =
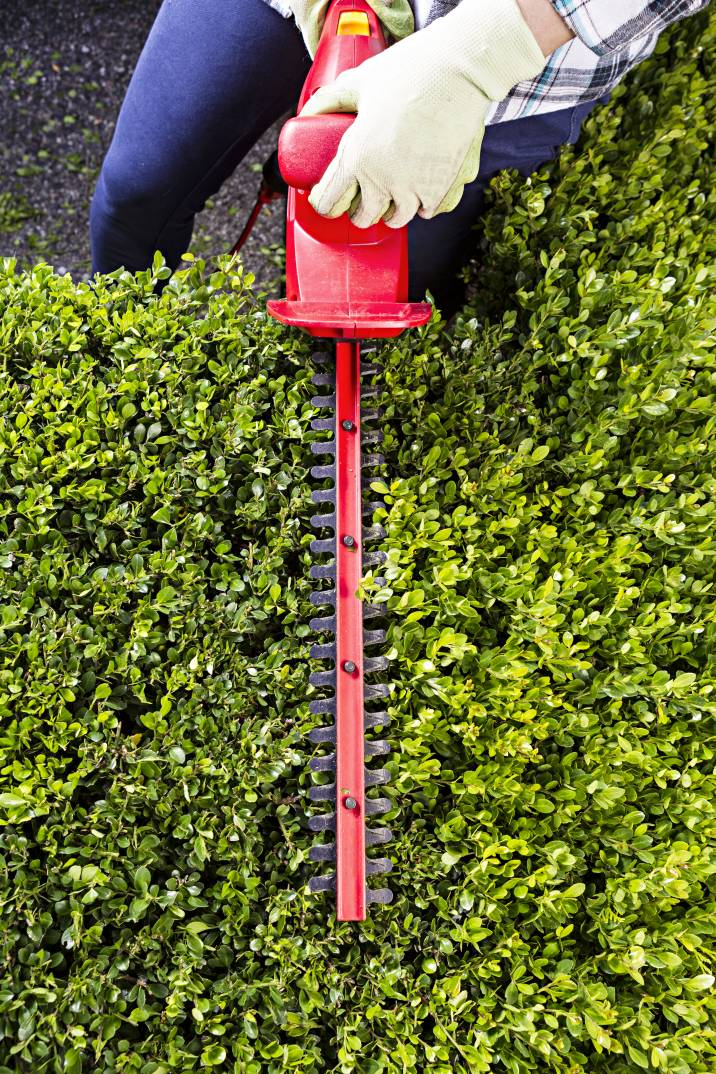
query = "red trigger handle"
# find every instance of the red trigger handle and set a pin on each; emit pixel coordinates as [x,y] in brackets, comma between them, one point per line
[307,144]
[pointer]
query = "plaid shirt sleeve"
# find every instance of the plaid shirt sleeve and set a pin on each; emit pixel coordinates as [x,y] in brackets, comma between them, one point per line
[610,25]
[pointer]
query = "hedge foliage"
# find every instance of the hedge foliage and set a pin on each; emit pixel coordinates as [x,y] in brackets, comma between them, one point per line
[551,520]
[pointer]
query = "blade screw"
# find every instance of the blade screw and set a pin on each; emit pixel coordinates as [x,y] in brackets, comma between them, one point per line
[347,425]
[350,803]
[349,666]
[349,541]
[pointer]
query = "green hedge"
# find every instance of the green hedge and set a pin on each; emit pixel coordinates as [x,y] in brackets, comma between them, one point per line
[551,521]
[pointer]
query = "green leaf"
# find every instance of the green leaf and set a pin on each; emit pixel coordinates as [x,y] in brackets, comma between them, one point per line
[213,1055]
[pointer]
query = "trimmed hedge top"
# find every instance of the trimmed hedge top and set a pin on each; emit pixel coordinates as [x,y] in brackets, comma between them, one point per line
[551,520]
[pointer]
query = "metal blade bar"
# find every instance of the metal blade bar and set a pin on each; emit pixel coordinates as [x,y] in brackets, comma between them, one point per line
[350,745]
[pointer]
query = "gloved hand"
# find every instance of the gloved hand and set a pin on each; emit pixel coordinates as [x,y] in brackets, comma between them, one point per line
[421,108]
[396,16]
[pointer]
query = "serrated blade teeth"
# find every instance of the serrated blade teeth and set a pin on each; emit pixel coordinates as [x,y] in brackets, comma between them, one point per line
[324,546]
[323,447]
[327,521]
[326,444]
[322,793]
[323,706]
[372,436]
[371,415]
[375,689]
[367,481]
[374,836]
[320,570]
[323,652]
[323,596]
[369,508]
[323,764]
[323,678]
[324,472]
[374,866]
[323,822]
[379,895]
[375,663]
[318,735]
[323,425]
[376,777]
[325,852]
[322,883]
[324,496]
[323,401]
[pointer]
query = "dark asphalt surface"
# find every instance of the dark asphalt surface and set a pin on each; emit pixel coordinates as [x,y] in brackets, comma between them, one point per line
[64,66]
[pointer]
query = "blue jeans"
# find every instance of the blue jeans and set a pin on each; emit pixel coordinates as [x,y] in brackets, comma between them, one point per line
[212,77]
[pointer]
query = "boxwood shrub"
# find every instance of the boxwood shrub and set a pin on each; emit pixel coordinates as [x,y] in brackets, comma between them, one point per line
[549,502]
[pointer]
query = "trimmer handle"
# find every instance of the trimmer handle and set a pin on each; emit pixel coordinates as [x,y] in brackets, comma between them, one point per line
[351,34]
[342,281]
[307,146]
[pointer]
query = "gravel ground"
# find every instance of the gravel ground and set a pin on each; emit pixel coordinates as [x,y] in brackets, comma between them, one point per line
[64,66]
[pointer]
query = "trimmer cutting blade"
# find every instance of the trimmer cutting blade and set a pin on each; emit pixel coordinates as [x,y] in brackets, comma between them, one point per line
[348,284]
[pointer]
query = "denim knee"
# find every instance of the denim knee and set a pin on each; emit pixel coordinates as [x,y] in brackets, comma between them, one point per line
[132,183]
[129,210]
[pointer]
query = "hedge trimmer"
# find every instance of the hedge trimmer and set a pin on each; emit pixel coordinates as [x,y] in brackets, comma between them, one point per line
[347,284]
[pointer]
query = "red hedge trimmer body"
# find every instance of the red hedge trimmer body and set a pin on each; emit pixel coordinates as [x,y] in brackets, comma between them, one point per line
[344,283]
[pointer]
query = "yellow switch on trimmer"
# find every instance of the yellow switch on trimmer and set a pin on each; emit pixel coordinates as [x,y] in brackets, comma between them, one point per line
[353,24]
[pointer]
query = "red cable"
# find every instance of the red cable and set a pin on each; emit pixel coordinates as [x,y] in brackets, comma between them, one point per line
[264,197]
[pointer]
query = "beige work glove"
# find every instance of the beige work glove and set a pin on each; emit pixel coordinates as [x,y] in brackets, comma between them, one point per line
[396,16]
[421,108]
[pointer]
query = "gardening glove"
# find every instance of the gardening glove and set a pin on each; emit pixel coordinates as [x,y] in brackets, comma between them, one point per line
[396,17]
[421,108]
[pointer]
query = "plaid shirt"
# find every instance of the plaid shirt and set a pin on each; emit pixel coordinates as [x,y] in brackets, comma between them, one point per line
[610,37]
